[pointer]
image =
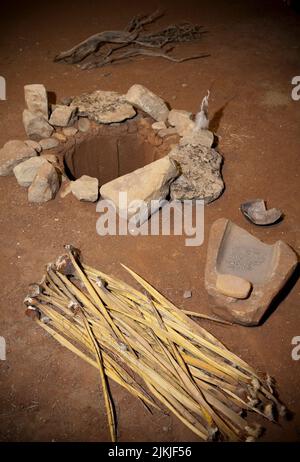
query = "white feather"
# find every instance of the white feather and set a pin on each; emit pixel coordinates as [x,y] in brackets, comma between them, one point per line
[201,120]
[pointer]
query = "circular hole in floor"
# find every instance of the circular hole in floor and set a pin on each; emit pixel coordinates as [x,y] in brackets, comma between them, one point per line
[110,151]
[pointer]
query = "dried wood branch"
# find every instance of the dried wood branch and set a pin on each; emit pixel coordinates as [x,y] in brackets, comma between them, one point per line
[92,44]
[135,39]
[138,22]
[137,52]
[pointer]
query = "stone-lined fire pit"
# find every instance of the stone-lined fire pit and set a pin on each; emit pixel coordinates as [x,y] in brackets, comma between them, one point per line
[94,140]
[101,144]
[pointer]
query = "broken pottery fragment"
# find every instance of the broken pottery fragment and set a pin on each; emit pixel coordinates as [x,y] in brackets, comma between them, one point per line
[142,98]
[104,107]
[200,173]
[233,251]
[13,153]
[257,213]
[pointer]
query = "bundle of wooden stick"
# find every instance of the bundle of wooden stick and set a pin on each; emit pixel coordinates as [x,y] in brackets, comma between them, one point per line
[112,46]
[150,347]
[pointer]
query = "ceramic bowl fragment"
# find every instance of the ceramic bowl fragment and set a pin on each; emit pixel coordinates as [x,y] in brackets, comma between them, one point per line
[257,213]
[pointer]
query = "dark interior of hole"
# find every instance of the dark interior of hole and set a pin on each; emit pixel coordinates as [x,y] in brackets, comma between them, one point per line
[108,156]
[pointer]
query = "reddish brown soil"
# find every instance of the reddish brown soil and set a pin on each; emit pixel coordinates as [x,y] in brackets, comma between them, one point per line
[46,393]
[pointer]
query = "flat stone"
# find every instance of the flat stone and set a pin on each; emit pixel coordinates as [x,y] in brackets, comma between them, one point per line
[235,252]
[34,145]
[70,131]
[201,173]
[148,183]
[85,188]
[84,124]
[61,116]
[199,137]
[182,121]
[49,143]
[142,98]
[36,99]
[159,126]
[233,286]
[104,107]
[26,171]
[167,132]
[45,184]
[13,153]
[36,126]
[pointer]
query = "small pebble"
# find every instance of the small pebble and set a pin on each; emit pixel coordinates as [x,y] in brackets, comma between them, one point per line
[159,126]
[84,124]
[167,132]
[233,286]
[70,131]
[187,294]
[65,190]
[66,101]
[60,137]
[49,143]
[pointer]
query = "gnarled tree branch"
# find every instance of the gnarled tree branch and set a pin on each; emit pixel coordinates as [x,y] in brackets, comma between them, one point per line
[135,39]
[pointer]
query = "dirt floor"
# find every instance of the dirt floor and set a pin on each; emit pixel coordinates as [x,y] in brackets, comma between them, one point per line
[48,394]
